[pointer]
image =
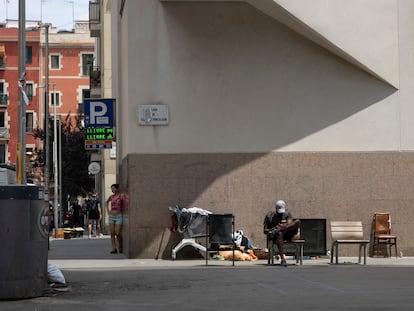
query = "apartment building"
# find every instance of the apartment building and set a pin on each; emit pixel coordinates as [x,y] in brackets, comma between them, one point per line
[71,56]
[9,92]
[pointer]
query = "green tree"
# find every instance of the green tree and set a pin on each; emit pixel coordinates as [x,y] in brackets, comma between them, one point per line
[75,160]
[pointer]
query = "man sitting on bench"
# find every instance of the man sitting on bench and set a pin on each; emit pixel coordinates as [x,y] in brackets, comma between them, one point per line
[280,226]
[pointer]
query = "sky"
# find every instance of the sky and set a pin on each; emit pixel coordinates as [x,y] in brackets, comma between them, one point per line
[60,13]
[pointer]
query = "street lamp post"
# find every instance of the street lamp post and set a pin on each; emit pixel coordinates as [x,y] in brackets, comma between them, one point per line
[46,146]
[55,164]
[54,150]
[21,144]
[46,108]
[73,12]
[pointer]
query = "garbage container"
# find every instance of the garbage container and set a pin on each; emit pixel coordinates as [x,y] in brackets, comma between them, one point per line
[24,241]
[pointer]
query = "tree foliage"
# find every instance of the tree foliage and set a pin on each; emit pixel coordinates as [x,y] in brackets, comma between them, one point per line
[75,159]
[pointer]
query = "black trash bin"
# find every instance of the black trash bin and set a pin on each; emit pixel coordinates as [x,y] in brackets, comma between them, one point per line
[24,241]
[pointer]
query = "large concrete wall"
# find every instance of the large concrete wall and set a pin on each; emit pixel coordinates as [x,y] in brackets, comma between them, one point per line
[257,112]
[236,80]
[329,185]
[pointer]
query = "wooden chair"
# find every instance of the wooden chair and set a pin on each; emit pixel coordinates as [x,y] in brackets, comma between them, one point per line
[296,241]
[348,232]
[382,234]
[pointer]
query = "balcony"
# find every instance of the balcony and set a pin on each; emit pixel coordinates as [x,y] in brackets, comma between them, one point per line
[95,82]
[95,18]
[3,99]
[4,133]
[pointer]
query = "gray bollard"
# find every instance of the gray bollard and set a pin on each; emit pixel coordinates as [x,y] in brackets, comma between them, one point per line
[24,221]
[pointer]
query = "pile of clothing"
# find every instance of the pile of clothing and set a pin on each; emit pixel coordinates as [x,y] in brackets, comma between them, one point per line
[243,249]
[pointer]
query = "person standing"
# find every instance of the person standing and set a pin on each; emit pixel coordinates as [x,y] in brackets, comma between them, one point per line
[76,212]
[93,215]
[280,226]
[116,204]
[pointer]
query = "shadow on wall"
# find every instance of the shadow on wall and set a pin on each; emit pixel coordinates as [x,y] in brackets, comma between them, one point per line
[254,82]
[272,88]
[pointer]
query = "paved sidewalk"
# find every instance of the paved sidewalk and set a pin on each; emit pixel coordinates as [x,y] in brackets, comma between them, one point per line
[101,281]
[94,253]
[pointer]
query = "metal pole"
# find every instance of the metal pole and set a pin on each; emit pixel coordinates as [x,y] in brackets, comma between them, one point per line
[60,163]
[46,115]
[73,12]
[55,166]
[21,144]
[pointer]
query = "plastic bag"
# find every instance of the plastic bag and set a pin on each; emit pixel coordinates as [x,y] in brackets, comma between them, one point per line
[54,274]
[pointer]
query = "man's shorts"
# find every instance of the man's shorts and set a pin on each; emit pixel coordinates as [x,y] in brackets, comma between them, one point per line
[115,219]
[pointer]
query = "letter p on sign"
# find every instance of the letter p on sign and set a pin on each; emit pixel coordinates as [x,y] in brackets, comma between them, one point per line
[98,112]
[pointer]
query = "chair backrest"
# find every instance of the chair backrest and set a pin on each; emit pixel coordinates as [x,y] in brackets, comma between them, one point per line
[220,228]
[346,230]
[382,223]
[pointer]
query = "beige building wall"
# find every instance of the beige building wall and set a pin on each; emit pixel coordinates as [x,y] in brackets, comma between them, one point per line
[108,155]
[267,101]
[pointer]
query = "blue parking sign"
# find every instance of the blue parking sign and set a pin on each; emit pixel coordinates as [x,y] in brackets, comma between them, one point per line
[99,112]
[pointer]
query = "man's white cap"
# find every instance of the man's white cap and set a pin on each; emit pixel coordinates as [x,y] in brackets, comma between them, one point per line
[280,207]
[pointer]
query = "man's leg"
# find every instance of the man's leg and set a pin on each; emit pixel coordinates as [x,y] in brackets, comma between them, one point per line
[286,232]
[279,243]
[89,227]
[294,225]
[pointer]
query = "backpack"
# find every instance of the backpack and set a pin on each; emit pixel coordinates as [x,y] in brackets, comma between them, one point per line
[93,205]
[93,212]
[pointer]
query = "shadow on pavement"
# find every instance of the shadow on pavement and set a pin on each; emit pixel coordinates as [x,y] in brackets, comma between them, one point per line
[82,248]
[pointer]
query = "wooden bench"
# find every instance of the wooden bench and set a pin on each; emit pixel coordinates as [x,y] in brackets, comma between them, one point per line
[348,232]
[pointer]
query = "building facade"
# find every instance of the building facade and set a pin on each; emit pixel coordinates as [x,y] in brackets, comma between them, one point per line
[9,94]
[100,28]
[306,101]
[71,55]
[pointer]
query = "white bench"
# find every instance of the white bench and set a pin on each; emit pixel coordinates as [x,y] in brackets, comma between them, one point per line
[348,232]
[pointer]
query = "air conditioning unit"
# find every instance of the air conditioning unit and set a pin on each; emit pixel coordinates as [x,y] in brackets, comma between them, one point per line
[4,132]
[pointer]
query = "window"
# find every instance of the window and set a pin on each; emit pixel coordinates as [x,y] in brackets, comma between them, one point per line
[29,90]
[29,54]
[54,62]
[87,63]
[2,119]
[86,93]
[4,131]
[3,95]
[52,99]
[29,122]
[2,153]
